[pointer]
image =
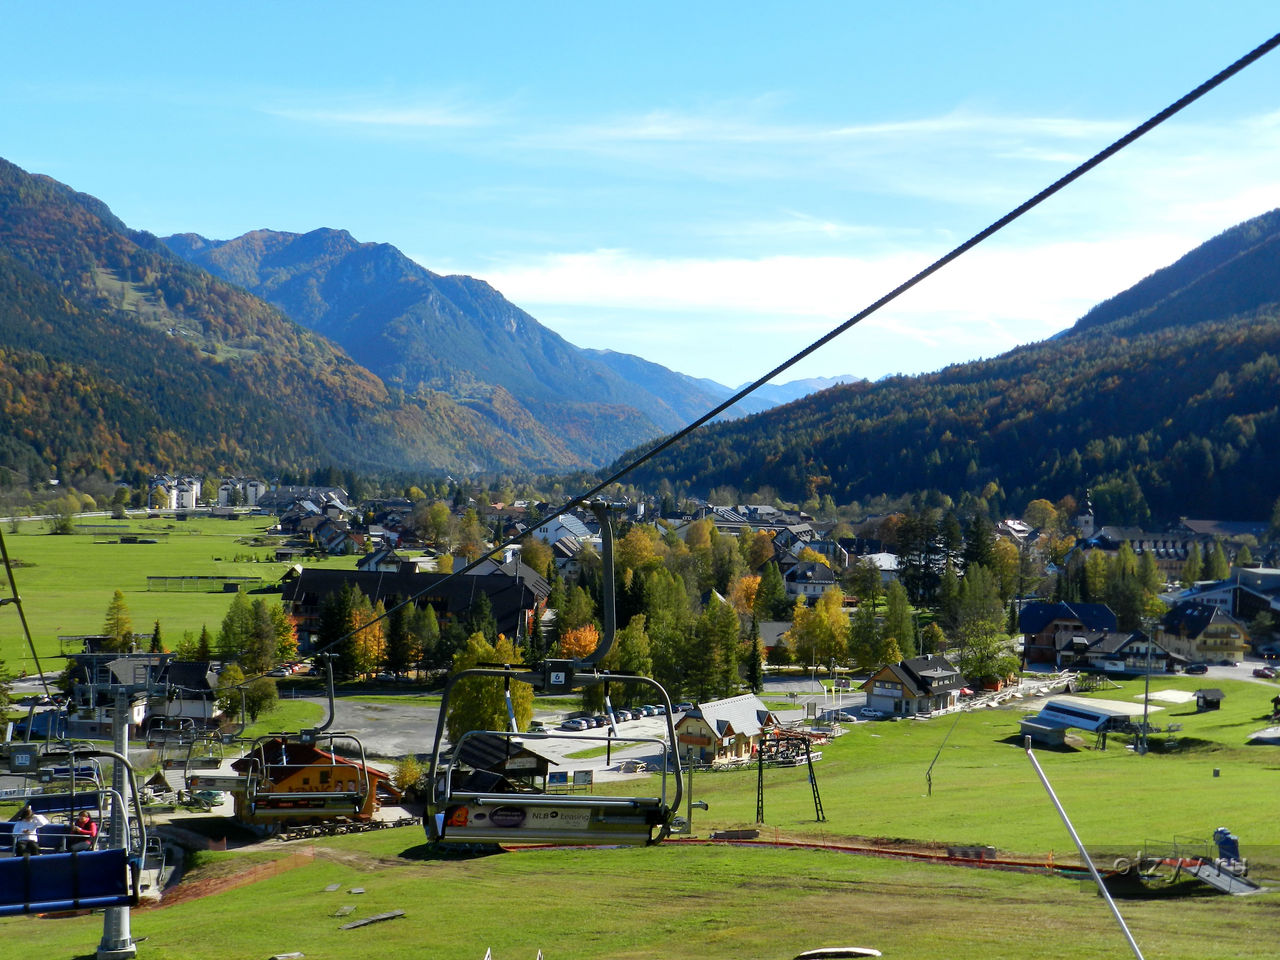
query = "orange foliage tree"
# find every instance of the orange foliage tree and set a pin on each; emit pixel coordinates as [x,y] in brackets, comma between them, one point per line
[579,641]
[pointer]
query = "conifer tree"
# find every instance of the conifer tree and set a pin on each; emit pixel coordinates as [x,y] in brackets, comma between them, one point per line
[118,626]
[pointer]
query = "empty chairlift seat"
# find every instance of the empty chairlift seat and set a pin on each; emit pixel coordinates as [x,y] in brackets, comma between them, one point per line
[67,881]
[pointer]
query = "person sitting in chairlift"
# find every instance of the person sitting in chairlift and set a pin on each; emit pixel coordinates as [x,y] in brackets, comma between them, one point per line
[26,841]
[86,830]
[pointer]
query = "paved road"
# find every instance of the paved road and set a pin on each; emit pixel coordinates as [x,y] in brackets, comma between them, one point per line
[385,729]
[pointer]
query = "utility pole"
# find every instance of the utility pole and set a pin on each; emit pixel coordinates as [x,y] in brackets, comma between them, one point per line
[1146,694]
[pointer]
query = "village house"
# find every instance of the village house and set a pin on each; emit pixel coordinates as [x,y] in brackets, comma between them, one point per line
[723,732]
[917,686]
[1203,633]
[1056,633]
[516,593]
[1246,593]
[1121,655]
[808,579]
[240,491]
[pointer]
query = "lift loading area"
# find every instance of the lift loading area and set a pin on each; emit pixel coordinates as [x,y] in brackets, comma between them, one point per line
[1060,714]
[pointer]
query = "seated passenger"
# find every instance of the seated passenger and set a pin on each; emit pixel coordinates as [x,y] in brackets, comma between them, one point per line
[26,842]
[86,830]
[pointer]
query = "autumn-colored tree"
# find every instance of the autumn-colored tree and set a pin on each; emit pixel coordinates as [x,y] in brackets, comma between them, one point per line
[637,550]
[409,770]
[578,642]
[810,555]
[471,536]
[742,594]
[697,536]
[932,639]
[821,632]
[369,628]
[536,554]
[760,550]
[1006,564]
[1042,515]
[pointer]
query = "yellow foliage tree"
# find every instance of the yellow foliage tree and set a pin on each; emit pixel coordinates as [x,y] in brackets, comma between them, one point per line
[370,637]
[579,641]
[742,593]
[810,555]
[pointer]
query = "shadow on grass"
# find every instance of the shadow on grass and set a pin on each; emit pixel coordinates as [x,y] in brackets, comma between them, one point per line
[443,851]
[1018,740]
[1131,886]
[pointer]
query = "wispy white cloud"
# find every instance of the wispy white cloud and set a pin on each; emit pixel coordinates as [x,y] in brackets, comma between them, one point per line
[427,112]
[993,300]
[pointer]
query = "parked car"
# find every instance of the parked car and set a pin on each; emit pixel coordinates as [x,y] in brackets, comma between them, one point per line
[1197,668]
[684,707]
[621,715]
[867,713]
[576,723]
[600,720]
[843,717]
[1267,672]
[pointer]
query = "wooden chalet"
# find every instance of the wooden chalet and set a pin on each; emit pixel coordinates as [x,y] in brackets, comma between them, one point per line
[724,731]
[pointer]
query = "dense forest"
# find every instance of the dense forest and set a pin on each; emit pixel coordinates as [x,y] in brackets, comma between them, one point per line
[1163,401]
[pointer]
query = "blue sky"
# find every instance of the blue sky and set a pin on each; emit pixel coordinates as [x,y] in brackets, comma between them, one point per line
[710,186]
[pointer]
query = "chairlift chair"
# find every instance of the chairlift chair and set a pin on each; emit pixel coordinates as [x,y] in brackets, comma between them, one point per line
[487,807]
[292,776]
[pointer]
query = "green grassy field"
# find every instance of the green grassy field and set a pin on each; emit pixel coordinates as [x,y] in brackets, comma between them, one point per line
[677,900]
[66,582]
[872,782]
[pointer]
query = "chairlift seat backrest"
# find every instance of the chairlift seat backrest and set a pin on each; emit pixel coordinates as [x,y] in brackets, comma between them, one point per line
[67,881]
[65,802]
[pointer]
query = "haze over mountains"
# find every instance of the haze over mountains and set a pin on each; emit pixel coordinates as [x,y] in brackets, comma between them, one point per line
[278,352]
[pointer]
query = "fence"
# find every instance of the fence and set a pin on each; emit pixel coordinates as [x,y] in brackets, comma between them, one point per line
[201,584]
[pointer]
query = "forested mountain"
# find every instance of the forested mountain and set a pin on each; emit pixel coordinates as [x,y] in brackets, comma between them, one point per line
[454,334]
[1163,401]
[116,356]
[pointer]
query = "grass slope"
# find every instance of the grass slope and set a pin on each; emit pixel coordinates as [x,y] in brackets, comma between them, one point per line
[675,900]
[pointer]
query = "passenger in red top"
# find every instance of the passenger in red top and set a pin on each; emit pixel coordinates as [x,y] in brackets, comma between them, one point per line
[86,830]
